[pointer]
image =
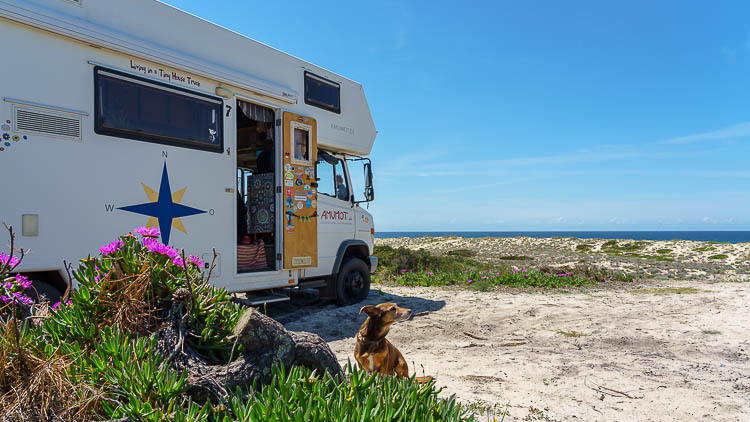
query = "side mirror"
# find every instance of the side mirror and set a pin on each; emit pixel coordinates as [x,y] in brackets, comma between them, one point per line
[369,190]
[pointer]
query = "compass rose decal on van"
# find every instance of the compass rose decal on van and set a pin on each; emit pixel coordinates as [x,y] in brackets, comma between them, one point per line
[164,209]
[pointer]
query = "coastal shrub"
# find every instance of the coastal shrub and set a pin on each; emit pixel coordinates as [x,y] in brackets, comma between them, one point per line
[663,251]
[391,261]
[301,395]
[484,280]
[94,357]
[461,252]
[719,256]
[584,247]
[704,249]
[516,258]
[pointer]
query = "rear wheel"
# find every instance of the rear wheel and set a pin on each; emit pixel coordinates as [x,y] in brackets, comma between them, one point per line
[50,292]
[353,282]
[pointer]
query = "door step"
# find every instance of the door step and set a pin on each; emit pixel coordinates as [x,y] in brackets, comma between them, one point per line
[255,300]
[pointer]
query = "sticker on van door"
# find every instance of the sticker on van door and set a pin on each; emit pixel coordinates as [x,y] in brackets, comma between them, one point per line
[164,209]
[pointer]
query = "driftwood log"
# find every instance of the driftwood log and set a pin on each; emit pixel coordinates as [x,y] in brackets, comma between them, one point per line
[265,343]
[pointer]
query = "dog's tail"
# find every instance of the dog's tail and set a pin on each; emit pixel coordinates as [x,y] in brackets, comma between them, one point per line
[424,380]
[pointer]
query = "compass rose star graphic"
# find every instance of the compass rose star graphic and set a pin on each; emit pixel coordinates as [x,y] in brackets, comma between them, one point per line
[164,209]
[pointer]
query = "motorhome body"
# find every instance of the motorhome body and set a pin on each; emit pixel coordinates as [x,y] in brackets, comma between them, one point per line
[118,114]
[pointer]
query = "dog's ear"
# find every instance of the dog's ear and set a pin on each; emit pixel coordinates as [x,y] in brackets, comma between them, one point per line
[370,310]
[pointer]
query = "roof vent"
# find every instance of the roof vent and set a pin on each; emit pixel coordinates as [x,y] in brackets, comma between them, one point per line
[45,122]
[76,2]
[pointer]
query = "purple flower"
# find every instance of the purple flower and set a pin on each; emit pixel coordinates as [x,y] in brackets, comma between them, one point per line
[469,281]
[196,261]
[22,298]
[497,274]
[57,304]
[23,281]
[11,261]
[525,275]
[429,272]
[8,285]
[466,271]
[403,270]
[570,272]
[154,246]
[112,247]
[148,231]
[6,299]
[484,277]
[547,274]
[178,261]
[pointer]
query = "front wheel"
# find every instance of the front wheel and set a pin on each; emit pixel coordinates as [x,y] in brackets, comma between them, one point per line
[353,282]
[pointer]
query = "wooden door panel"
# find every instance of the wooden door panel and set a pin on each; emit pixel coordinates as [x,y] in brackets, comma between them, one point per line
[300,192]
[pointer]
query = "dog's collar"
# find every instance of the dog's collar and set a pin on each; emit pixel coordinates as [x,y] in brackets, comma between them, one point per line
[366,341]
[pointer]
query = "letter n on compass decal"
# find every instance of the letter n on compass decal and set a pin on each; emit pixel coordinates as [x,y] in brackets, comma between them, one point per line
[164,209]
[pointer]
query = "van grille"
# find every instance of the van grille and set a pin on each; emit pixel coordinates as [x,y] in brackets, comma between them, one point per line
[43,122]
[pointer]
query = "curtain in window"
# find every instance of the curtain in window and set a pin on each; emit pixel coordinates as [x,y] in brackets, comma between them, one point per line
[256,112]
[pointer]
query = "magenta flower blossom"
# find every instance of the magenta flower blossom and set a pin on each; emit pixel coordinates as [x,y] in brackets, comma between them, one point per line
[154,246]
[484,277]
[23,281]
[8,285]
[547,274]
[429,272]
[466,271]
[403,270]
[17,297]
[148,231]
[112,247]
[57,304]
[23,298]
[178,261]
[469,281]
[10,261]
[195,260]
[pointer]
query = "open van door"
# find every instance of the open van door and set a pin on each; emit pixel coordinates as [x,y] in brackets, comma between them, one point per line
[300,192]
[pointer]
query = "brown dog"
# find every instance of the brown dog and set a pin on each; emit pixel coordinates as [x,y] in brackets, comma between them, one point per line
[373,352]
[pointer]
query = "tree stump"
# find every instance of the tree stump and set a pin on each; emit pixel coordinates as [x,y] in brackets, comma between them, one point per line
[265,344]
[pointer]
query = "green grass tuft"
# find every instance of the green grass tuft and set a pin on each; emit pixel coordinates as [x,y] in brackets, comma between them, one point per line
[660,291]
[516,258]
[711,332]
[461,252]
[663,251]
[704,249]
[719,256]
[571,333]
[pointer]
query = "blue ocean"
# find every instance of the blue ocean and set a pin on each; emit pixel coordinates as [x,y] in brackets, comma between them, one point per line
[704,236]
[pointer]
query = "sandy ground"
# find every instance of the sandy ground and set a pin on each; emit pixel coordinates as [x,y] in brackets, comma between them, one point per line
[614,352]
[640,356]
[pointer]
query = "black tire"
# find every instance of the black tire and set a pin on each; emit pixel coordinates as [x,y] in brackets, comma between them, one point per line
[50,292]
[352,282]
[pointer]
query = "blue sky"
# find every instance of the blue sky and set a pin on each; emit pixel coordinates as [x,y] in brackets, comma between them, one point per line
[537,115]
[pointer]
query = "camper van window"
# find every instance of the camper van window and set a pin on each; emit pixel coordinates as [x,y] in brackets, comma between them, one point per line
[330,171]
[130,107]
[322,93]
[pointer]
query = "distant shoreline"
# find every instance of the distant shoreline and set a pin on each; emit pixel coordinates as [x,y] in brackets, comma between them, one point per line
[724,236]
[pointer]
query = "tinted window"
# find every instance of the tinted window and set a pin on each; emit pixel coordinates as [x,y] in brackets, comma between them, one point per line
[322,93]
[137,108]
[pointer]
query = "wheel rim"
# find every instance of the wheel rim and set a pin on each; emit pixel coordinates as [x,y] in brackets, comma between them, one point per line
[355,284]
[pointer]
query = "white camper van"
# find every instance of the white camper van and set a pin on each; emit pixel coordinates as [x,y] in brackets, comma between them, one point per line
[120,114]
